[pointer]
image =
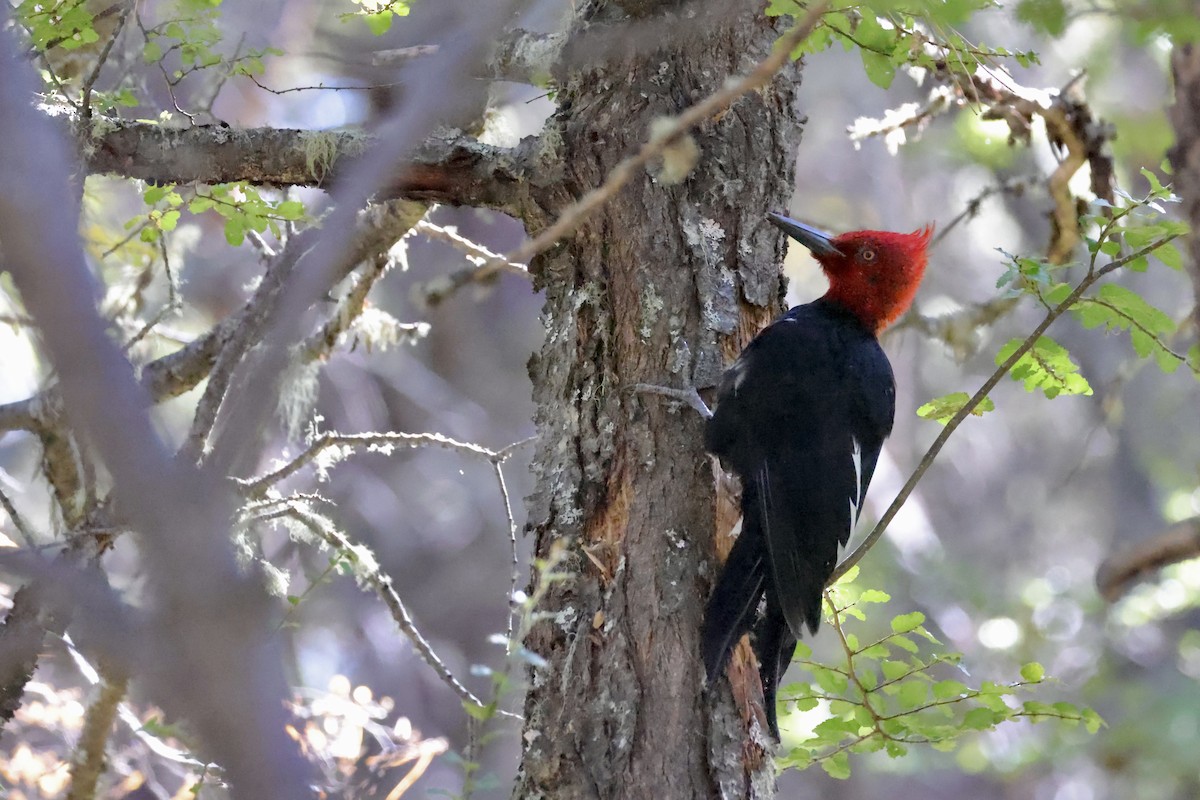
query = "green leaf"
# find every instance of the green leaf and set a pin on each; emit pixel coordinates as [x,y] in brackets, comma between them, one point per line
[837,765]
[893,669]
[907,622]
[380,23]
[879,68]
[152,51]
[1119,308]
[981,719]
[1156,187]
[913,692]
[153,195]
[942,409]
[781,8]
[945,690]
[1033,672]
[481,713]
[290,209]
[1169,255]
[235,231]
[830,681]
[874,596]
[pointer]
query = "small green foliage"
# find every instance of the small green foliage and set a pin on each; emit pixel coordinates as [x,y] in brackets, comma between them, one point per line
[378,14]
[240,204]
[893,693]
[189,41]
[1046,366]
[942,409]
[1118,308]
[67,24]
[244,209]
[1022,272]
[1033,672]
[890,36]
[1047,16]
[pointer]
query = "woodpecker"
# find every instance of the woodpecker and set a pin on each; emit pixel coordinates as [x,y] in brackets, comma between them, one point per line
[800,417]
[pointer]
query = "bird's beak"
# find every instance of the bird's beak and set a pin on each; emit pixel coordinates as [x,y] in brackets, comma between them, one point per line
[819,242]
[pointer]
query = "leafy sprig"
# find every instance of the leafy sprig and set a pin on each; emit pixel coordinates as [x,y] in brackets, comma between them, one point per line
[901,689]
[893,35]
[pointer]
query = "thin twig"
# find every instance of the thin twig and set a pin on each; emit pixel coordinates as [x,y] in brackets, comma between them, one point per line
[17,522]
[351,307]
[90,761]
[498,469]
[1088,281]
[382,584]
[85,103]
[661,139]
[485,264]
[257,488]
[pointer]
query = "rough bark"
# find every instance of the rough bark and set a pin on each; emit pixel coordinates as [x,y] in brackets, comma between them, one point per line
[1185,156]
[661,286]
[448,168]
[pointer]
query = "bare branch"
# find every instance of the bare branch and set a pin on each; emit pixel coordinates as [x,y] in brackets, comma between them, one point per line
[403,134]
[235,687]
[486,264]
[1073,131]
[368,571]
[377,229]
[448,168]
[258,487]
[17,522]
[1120,571]
[498,469]
[85,104]
[90,761]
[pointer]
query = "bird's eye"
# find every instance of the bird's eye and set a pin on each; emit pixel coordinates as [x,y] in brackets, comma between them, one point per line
[867,255]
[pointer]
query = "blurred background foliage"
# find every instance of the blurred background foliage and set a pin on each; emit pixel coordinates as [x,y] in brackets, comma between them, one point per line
[999,547]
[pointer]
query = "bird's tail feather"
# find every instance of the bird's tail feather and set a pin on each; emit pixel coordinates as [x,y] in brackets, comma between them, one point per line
[734,600]
[774,644]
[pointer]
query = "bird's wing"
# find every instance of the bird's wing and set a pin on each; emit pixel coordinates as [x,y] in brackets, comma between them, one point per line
[801,417]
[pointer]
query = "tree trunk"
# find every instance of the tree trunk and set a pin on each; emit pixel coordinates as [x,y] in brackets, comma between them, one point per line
[1185,157]
[663,285]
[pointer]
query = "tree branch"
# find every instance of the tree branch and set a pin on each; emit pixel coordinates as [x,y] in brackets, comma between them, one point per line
[378,228]
[1120,571]
[449,167]
[90,761]
[1077,136]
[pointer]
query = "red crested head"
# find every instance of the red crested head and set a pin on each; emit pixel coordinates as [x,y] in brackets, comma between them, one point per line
[873,274]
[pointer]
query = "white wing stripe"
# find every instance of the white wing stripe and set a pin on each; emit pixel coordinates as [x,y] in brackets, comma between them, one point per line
[856,496]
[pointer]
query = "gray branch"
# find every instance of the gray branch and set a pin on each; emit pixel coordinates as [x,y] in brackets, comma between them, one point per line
[450,167]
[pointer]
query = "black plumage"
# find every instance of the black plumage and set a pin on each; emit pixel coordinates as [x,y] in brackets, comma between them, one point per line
[800,417]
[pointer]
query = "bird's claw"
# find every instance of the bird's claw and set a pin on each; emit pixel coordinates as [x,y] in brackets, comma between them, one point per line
[689,396]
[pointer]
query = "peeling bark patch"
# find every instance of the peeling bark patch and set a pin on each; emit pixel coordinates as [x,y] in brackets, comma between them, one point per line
[605,531]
